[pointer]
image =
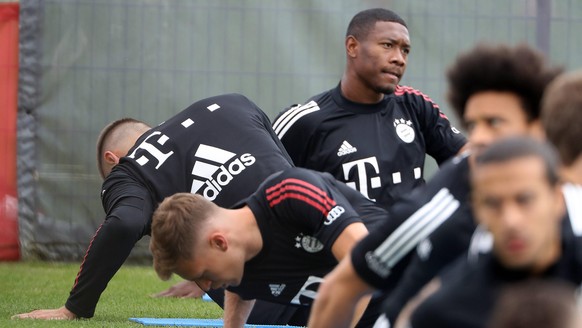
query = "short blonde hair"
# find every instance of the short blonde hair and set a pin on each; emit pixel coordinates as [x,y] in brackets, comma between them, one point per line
[176,226]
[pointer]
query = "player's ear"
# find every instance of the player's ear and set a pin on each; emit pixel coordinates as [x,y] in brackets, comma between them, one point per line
[218,241]
[110,158]
[351,46]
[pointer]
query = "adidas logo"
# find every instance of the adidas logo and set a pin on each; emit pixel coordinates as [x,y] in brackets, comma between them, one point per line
[216,168]
[277,289]
[346,148]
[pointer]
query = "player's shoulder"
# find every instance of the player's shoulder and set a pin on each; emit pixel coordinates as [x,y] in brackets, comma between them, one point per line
[235,100]
[303,117]
[455,171]
[314,107]
[406,93]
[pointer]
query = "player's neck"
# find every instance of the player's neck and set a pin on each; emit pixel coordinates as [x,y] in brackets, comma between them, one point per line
[247,232]
[355,91]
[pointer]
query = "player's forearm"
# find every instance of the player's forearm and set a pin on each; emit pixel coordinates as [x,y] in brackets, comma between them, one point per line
[341,298]
[347,239]
[328,312]
[337,309]
[108,250]
[236,310]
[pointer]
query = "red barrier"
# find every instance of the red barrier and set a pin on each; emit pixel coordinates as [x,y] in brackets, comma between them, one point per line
[9,249]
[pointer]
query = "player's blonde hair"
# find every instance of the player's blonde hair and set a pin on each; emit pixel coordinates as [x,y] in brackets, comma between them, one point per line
[176,226]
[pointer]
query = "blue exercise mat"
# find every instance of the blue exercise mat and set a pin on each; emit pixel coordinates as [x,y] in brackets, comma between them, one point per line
[207,298]
[185,322]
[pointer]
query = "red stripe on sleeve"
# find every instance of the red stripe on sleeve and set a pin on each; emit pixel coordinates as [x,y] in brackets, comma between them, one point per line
[85,257]
[300,197]
[309,193]
[402,89]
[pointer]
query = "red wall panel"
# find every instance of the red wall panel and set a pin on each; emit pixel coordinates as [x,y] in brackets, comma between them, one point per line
[9,249]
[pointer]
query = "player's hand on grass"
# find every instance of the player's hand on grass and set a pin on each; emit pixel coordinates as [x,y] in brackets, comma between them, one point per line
[184,289]
[51,314]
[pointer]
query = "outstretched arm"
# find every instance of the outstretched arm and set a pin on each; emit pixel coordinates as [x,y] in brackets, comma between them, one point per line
[347,239]
[236,310]
[338,297]
[107,251]
[330,309]
[405,315]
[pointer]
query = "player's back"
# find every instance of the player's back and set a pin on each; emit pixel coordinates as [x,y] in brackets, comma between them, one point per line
[221,147]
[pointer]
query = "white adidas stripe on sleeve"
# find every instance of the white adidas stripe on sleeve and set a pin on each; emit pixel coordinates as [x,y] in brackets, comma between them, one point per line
[415,229]
[285,121]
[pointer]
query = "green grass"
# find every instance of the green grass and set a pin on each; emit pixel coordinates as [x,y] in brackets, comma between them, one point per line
[26,286]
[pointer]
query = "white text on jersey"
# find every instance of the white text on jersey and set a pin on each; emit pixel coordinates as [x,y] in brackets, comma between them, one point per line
[216,160]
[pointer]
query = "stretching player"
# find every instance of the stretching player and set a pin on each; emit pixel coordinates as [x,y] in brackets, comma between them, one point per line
[276,245]
[370,132]
[221,147]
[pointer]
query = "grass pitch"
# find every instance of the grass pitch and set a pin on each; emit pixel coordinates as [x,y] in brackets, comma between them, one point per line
[26,286]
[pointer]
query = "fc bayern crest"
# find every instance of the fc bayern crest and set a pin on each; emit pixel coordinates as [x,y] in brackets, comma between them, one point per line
[308,243]
[404,130]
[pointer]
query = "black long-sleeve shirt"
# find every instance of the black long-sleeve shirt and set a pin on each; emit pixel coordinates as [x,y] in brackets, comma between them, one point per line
[221,147]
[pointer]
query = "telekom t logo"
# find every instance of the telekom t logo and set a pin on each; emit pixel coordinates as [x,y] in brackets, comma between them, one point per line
[360,166]
[152,150]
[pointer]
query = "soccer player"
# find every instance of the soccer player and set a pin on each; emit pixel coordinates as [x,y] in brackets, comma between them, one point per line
[561,110]
[221,147]
[518,198]
[276,245]
[369,131]
[496,90]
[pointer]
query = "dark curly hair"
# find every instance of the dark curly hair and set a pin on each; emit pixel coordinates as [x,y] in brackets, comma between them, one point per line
[518,69]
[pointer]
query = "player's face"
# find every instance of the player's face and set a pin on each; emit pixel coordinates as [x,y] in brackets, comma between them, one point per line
[515,201]
[381,56]
[492,115]
[212,268]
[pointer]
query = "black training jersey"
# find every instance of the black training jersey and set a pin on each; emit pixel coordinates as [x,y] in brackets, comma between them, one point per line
[438,209]
[220,147]
[377,149]
[300,214]
[470,287]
